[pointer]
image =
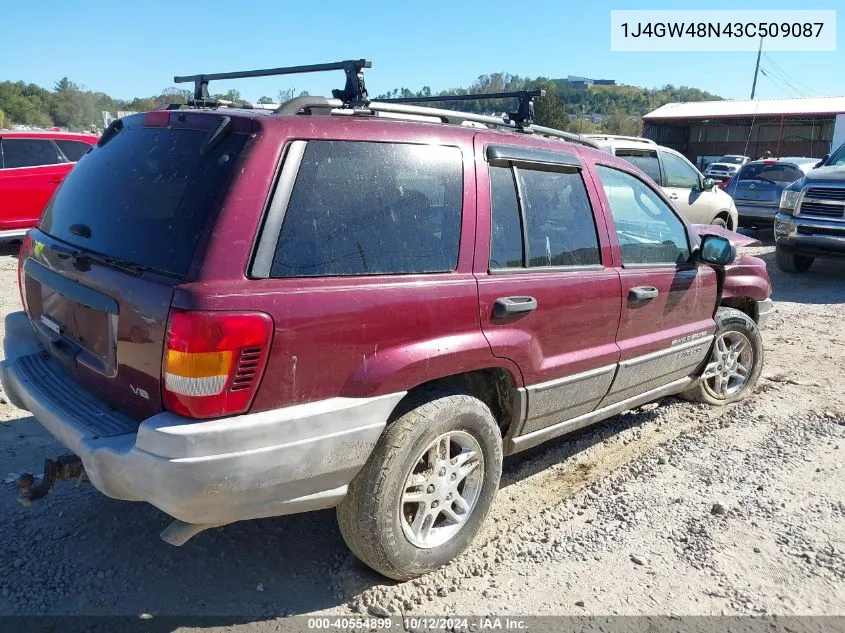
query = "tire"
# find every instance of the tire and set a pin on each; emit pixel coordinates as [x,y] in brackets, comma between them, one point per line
[720,221]
[731,326]
[789,262]
[374,518]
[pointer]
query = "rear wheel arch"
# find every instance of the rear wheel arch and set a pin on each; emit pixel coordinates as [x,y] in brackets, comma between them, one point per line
[496,387]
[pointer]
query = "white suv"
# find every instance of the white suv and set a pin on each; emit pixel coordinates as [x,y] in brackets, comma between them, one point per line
[697,198]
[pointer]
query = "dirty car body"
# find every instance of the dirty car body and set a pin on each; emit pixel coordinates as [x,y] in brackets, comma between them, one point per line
[247,362]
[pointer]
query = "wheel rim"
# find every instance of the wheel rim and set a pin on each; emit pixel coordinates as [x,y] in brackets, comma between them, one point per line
[441,489]
[730,364]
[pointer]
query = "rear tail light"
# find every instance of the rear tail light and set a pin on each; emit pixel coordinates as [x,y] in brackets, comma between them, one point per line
[214,361]
[23,253]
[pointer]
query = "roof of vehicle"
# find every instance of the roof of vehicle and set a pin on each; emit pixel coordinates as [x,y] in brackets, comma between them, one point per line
[71,136]
[619,137]
[794,160]
[731,156]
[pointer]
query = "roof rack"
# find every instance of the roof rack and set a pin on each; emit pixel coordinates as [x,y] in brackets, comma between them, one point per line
[523,116]
[354,93]
[353,100]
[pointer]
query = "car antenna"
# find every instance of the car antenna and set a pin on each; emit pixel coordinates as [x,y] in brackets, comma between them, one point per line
[354,93]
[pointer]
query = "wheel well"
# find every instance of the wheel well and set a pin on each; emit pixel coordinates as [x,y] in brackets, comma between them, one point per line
[726,216]
[494,386]
[743,304]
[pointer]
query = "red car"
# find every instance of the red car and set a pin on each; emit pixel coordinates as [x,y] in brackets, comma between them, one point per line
[32,165]
[232,313]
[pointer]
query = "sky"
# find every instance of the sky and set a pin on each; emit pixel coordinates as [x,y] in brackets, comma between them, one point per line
[129,49]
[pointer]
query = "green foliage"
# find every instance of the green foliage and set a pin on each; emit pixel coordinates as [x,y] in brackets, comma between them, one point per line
[564,107]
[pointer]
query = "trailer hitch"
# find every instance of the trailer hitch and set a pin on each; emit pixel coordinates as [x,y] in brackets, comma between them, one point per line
[61,468]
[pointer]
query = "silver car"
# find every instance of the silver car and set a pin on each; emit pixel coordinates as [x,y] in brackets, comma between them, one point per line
[757,188]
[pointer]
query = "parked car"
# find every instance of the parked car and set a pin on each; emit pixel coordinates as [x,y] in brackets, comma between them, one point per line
[346,310]
[811,219]
[757,188]
[698,198]
[725,167]
[32,164]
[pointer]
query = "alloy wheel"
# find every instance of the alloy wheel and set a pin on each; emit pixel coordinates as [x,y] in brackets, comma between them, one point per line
[442,489]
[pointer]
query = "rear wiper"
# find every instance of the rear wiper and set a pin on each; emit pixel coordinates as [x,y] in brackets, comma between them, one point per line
[760,178]
[215,136]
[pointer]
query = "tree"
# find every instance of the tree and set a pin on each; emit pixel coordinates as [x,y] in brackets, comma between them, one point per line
[619,123]
[3,123]
[264,100]
[548,110]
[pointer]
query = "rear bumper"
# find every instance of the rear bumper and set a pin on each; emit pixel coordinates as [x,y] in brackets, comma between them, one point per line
[756,213]
[12,234]
[284,461]
[809,236]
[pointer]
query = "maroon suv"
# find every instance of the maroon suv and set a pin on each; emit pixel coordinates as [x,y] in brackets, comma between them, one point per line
[232,313]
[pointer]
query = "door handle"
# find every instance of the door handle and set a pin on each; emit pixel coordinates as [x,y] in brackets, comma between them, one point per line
[642,293]
[673,196]
[510,306]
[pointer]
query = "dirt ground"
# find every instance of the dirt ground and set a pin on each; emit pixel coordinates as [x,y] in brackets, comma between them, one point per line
[672,508]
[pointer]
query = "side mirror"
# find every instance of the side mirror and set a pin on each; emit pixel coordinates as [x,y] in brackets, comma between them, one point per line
[716,250]
[708,184]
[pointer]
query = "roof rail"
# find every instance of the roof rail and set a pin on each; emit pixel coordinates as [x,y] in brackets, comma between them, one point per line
[309,104]
[354,93]
[621,137]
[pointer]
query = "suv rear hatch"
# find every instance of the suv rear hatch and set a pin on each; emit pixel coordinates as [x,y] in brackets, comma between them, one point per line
[97,275]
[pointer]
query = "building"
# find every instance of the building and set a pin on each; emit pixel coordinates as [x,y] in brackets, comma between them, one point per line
[583,83]
[706,130]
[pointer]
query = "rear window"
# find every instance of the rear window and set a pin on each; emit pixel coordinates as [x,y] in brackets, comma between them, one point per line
[73,150]
[361,208]
[646,160]
[777,173]
[145,196]
[24,152]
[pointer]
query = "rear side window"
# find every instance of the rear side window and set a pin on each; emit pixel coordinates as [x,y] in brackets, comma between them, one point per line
[361,208]
[649,232]
[679,173]
[777,173]
[25,152]
[555,211]
[145,196]
[73,150]
[646,160]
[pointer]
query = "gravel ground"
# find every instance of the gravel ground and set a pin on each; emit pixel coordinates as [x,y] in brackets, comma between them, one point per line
[672,508]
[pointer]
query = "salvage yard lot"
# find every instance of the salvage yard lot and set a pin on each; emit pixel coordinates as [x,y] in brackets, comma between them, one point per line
[678,508]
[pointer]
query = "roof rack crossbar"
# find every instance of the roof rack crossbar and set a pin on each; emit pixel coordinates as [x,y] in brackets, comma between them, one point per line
[355,91]
[523,116]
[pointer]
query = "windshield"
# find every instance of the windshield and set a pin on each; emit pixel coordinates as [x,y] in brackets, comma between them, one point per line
[838,158]
[774,173]
[731,160]
[145,196]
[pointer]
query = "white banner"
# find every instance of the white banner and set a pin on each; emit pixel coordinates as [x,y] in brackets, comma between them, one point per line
[671,30]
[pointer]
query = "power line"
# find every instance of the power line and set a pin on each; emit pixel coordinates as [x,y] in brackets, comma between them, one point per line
[789,83]
[787,75]
[781,82]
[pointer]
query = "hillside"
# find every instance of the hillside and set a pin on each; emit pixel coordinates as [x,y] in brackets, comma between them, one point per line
[619,108]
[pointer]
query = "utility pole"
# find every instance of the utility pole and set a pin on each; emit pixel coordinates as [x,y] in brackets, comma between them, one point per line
[756,69]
